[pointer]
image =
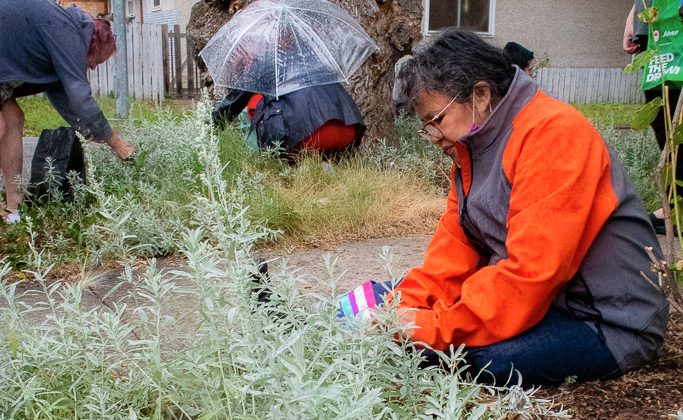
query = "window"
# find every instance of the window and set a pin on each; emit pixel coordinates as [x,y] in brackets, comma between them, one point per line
[472,15]
[156,4]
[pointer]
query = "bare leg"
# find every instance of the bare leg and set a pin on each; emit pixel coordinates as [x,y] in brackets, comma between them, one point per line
[3,130]
[11,151]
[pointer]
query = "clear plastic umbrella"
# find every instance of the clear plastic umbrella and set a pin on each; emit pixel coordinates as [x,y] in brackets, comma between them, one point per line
[279,46]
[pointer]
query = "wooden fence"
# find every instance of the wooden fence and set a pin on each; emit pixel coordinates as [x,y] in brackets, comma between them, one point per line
[181,75]
[158,65]
[589,85]
[145,66]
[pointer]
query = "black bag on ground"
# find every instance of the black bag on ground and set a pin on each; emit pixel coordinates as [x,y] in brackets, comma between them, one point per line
[58,152]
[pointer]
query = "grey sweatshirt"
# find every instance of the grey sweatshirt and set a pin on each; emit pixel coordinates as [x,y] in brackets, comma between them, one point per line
[45,48]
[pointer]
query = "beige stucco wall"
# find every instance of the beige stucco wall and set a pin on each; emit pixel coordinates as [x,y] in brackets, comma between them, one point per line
[184,7]
[577,33]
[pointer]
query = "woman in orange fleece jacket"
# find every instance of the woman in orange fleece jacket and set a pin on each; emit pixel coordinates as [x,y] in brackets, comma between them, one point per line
[536,264]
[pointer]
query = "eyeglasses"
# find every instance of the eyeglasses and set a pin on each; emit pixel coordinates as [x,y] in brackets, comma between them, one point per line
[428,131]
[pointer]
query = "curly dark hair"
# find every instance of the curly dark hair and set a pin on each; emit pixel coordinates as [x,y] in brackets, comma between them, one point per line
[455,62]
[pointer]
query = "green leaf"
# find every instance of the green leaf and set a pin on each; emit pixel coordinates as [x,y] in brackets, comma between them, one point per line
[646,114]
[677,137]
[13,344]
[398,410]
[649,15]
[156,375]
[640,61]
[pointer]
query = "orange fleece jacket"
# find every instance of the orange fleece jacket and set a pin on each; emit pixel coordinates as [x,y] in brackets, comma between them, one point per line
[561,195]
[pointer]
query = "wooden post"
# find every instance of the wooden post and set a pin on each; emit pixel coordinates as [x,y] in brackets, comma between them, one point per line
[164,53]
[190,66]
[178,60]
[138,81]
[122,105]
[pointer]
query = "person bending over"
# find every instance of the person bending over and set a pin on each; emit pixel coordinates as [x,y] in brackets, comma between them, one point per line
[45,48]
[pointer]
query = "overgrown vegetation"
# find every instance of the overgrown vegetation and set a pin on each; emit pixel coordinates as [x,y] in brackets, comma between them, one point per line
[218,354]
[40,114]
[140,208]
[638,152]
[235,360]
[609,114]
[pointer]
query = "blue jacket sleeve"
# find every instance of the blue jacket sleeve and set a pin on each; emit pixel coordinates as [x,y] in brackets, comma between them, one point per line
[72,97]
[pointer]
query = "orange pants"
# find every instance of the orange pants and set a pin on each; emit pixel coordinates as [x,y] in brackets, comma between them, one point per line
[333,135]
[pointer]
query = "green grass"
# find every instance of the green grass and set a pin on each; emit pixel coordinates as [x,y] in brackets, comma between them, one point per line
[40,114]
[609,114]
[353,198]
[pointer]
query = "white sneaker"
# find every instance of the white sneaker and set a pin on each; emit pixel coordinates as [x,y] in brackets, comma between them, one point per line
[12,217]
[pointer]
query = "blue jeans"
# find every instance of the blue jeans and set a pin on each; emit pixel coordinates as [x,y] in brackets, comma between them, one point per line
[557,348]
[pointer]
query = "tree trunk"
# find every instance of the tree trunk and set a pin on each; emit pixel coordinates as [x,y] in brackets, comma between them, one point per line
[394,25]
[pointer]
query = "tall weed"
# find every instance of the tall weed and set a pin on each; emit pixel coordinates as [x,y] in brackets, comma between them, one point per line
[140,207]
[639,154]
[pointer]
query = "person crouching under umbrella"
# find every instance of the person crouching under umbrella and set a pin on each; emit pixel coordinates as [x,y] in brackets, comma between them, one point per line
[320,118]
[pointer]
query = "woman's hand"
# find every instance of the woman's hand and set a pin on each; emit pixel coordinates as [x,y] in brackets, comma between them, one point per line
[407,316]
[627,43]
[121,148]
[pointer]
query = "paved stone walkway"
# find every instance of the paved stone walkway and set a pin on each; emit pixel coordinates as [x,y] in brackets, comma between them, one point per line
[29,147]
[356,263]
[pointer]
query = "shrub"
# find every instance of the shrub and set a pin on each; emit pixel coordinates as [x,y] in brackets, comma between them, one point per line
[193,342]
[639,154]
[139,358]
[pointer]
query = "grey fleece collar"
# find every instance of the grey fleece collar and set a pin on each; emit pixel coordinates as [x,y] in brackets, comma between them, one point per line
[521,90]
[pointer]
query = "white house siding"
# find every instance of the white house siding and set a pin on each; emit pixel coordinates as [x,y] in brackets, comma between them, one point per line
[166,14]
[578,33]
[184,8]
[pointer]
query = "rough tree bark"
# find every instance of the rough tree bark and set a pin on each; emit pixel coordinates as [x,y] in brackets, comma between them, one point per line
[394,25]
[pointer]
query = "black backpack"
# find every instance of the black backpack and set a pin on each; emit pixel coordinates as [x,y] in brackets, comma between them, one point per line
[66,154]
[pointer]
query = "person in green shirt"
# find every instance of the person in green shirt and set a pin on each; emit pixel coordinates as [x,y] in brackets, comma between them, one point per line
[635,40]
